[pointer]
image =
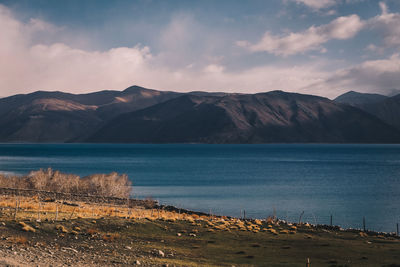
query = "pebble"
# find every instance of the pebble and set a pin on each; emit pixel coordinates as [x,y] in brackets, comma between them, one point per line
[161,253]
[137,262]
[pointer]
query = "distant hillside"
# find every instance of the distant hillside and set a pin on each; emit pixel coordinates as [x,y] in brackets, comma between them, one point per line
[260,118]
[359,99]
[61,117]
[385,108]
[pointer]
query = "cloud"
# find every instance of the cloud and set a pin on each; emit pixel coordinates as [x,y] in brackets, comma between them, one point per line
[316,4]
[387,25]
[311,39]
[28,64]
[214,68]
[370,76]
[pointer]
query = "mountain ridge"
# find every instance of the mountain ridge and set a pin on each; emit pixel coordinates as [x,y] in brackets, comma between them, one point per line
[142,115]
[247,118]
[386,108]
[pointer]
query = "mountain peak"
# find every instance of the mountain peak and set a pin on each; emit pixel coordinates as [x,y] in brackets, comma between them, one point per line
[354,98]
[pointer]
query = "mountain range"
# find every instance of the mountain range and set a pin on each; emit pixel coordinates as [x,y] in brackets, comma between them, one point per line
[140,115]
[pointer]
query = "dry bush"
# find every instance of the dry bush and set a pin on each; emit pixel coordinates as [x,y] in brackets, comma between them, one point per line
[20,240]
[91,231]
[110,237]
[107,185]
[111,185]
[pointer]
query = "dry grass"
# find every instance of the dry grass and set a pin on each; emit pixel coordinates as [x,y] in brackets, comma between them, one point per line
[32,209]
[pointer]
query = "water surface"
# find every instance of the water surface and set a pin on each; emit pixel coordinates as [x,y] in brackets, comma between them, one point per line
[345,181]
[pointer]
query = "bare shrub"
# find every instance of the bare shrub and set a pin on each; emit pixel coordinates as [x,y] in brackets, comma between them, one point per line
[107,185]
[112,185]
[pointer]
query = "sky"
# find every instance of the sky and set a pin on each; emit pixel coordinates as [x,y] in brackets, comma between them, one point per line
[320,47]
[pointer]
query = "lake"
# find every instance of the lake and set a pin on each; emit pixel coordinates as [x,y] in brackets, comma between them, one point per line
[348,182]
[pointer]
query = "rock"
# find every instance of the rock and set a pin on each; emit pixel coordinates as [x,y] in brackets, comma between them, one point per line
[128,247]
[61,228]
[161,253]
[136,262]
[27,228]
[362,234]
[179,234]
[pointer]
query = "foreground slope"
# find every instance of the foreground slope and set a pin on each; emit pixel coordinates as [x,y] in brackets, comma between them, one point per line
[260,118]
[94,233]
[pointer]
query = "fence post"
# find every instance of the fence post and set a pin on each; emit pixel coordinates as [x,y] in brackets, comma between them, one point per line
[364,223]
[16,209]
[397,226]
[40,207]
[72,213]
[331,220]
[301,215]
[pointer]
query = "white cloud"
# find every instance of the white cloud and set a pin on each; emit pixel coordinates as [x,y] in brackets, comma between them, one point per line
[388,25]
[310,39]
[375,49]
[370,76]
[28,65]
[385,24]
[317,4]
[214,68]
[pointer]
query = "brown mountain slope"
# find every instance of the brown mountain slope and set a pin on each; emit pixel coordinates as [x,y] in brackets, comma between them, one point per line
[385,108]
[261,118]
[61,117]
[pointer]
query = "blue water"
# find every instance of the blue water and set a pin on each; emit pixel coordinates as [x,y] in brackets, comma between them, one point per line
[348,182]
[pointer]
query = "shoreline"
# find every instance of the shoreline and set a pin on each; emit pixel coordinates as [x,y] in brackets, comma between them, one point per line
[153,204]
